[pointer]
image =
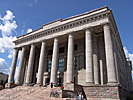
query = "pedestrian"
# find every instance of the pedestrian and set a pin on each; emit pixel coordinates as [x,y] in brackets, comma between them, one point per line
[80,97]
[51,85]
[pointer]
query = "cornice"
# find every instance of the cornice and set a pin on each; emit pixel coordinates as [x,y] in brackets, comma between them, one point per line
[69,25]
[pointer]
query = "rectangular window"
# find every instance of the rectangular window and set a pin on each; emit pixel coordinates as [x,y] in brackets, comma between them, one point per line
[61,50]
[75,47]
[75,63]
[50,52]
[49,66]
[61,64]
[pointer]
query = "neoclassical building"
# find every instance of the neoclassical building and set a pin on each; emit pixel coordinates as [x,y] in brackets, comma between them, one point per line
[85,48]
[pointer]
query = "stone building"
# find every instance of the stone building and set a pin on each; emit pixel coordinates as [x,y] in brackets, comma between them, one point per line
[3,78]
[85,49]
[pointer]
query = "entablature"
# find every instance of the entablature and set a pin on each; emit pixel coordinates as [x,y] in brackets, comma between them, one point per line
[75,25]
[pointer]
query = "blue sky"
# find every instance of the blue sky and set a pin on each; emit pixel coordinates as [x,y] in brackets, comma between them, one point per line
[17,17]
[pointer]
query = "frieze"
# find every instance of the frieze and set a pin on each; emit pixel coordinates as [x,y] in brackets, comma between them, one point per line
[63,27]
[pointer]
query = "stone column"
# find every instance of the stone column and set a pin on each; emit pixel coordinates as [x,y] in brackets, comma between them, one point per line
[13,67]
[101,71]
[70,58]
[109,55]
[89,57]
[19,73]
[30,64]
[41,64]
[54,65]
[95,61]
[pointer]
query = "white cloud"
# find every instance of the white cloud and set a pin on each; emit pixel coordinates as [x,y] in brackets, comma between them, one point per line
[7,27]
[128,55]
[3,66]
[8,16]
[29,30]
[6,44]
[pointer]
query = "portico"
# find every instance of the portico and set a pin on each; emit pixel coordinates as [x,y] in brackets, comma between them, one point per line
[85,49]
[91,69]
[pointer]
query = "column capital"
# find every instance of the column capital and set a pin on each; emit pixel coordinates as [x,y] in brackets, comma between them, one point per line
[106,24]
[43,42]
[56,39]
[70,32]
[16,50]
[89,29]
[33,44]
[24,47]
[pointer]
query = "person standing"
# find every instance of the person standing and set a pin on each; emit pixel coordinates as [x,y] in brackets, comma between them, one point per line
[51,85]
[80,97]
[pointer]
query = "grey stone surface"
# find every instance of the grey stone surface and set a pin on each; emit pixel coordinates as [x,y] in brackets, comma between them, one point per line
[70,58]
[30,64]
[95,61]
[109,55]
[54,65]
[89,57]
[13,66]
[41,64]
[19,73]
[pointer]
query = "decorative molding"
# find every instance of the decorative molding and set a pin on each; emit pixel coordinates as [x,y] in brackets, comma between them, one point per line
[63,27]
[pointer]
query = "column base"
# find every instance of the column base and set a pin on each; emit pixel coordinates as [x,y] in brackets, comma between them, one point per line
[18,83]
[10,85]
[112,83]
[28,84]
[89,83]
[38,85]
[96,83]
[52,85]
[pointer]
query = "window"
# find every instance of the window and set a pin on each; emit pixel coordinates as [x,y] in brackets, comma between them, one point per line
[75,63]
[50,52]
[61,64]
[75,47]
[61,50]
[49,66]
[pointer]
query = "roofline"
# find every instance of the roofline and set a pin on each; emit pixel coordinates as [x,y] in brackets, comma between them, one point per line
[67,19]
[118,35]
[85,13]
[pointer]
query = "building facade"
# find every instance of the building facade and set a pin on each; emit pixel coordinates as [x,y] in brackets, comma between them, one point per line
[85,49]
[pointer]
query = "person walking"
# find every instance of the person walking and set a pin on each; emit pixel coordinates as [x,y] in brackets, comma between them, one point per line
[80,97]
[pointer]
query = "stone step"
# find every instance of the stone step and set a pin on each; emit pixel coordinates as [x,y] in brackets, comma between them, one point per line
[29,93]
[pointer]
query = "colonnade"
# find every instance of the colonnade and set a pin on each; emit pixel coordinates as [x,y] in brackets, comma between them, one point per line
[91,56]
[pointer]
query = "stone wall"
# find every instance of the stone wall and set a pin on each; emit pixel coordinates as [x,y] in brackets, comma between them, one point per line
[101,92]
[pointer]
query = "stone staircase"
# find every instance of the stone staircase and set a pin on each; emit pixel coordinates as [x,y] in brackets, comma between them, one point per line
[32,93]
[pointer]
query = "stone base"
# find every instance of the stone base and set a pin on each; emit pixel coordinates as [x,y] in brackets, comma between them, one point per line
[27,84]
[71,90]
[38,85]
[10,85]
[105,92]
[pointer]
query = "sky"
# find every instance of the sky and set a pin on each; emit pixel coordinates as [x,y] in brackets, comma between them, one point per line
[18,17]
